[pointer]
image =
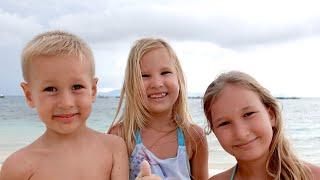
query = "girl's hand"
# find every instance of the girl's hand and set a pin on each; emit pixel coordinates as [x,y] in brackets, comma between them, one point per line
[145,172]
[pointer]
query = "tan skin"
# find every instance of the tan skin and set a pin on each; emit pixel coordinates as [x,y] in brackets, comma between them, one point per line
[242,124]
[72,158]
[161,87]
[62,90]
[167,147]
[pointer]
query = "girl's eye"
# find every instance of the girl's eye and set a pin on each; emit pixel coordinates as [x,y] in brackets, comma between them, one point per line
[165,72]
[223,123]
[145,75]
[248,114]
[77,86]
[50,89]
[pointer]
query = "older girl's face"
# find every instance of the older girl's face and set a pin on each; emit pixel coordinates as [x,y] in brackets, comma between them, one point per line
[241,123]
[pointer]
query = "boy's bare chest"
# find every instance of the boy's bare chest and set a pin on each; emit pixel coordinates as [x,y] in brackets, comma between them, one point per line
[82,166]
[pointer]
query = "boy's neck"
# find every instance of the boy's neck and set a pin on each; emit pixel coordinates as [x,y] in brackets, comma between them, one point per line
[51,137]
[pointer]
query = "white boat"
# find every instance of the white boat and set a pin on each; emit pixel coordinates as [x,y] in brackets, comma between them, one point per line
[1,96]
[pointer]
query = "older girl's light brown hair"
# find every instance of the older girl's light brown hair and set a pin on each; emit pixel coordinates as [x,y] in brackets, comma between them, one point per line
[135,114]
[55,43]
[282,163]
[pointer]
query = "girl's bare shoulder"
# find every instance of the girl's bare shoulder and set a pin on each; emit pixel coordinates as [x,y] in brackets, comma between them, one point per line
[196,132]
[315,170]
[116,129]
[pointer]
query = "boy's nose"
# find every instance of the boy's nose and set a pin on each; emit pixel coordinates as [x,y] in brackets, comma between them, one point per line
[66,100]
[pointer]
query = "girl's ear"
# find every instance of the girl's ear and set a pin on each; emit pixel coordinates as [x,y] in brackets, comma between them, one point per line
[94,89]
[27,94]
[272,116]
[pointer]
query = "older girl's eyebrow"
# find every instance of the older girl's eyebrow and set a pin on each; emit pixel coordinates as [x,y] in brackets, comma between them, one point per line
[217,120]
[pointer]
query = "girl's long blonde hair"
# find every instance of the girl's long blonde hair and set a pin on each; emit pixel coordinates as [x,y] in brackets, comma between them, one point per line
[282,163]
[134,114]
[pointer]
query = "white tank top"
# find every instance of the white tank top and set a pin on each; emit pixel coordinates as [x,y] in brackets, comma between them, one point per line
[169,169]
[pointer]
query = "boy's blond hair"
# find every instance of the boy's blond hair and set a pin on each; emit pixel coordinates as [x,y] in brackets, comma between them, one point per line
[135,114]
[55,43]
[282,163]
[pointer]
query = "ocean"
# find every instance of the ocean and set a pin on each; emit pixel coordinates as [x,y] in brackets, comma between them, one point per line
[19,126]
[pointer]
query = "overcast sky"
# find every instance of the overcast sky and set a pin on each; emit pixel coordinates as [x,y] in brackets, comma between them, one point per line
[276,41]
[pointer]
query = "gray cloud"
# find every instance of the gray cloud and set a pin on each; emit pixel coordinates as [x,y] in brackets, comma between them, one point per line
[227,32]
[106,25]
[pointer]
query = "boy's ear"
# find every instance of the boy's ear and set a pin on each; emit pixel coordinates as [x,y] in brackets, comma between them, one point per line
[27,94]
[94,89]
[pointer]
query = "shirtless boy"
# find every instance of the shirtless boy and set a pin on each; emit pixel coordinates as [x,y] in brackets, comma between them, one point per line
[58,69]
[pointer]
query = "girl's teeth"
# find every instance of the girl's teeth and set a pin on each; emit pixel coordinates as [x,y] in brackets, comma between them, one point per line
[160,95]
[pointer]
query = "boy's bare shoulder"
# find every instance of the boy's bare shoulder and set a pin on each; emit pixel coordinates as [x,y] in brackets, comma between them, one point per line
[223,175]
[113,142]
[19,165]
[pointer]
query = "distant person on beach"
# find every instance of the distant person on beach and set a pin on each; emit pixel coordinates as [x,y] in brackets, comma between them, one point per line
[155,122]
[246,120]
[59,73]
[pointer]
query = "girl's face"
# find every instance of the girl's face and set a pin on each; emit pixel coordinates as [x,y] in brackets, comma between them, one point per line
[160,81]
[242,124]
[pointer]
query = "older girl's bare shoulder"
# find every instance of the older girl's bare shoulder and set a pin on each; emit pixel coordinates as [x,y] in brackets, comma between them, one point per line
[223,175]
[315,170]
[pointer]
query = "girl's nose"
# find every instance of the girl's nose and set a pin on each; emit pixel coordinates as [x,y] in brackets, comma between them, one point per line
[156,82]
[241,131]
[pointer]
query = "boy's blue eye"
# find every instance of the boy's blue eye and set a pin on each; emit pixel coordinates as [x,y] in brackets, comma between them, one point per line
[77,86]
[50,89]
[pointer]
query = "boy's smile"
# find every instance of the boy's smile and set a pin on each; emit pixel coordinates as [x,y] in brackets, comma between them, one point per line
[62,89]
[65,118]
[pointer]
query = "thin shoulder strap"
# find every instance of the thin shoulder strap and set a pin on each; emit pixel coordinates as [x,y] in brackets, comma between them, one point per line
[234,170]
[137,137]
[180,137]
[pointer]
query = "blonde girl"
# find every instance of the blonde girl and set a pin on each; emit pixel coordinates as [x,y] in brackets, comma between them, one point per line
[154,120]
[246,119]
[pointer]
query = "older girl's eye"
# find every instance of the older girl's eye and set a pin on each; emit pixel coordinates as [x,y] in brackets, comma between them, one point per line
[50,89]
[248,114]
[223,123]
[77,87]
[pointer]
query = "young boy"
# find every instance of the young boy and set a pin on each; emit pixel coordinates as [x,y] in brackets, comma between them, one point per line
[58,69]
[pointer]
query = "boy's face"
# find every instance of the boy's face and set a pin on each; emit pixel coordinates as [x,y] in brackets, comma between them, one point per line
[62,90]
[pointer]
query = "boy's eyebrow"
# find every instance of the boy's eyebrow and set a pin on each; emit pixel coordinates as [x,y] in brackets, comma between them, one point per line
[247,107]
